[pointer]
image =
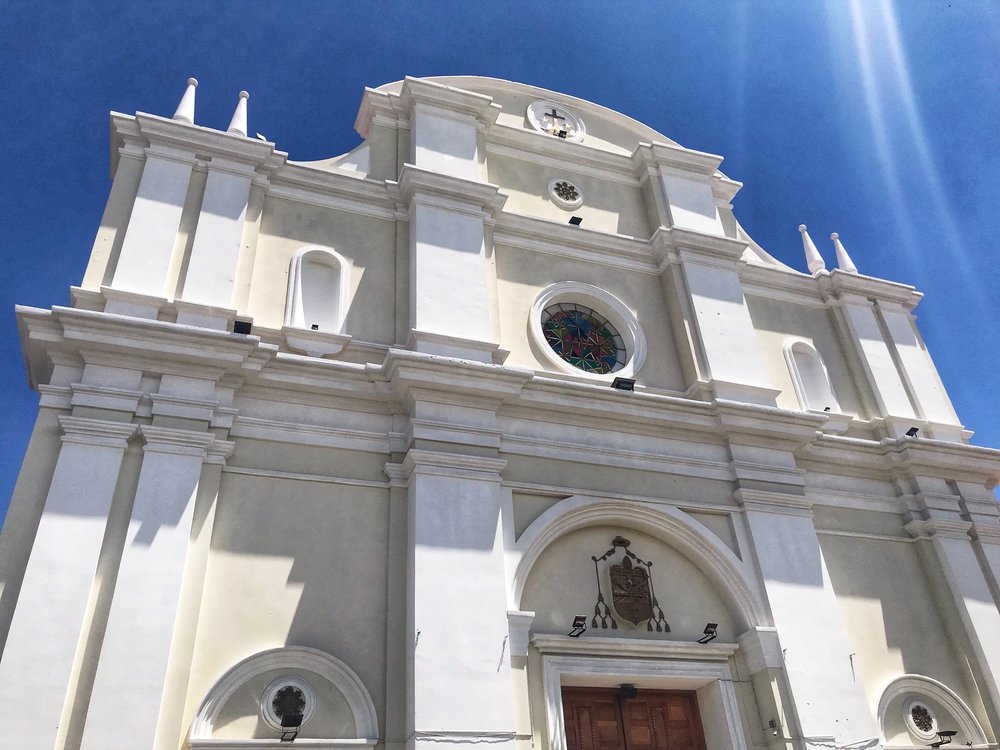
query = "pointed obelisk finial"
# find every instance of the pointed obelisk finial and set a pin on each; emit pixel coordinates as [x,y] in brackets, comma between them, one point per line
[185,110]
[844,262]
[813,258]
[238,125]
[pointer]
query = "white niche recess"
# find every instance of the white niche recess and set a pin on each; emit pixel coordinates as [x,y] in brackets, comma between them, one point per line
[570,295]
[316,305]
[809,377]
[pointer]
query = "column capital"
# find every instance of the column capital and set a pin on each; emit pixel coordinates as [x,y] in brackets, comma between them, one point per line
[781,503]
[96,431]
[204,445]
[482,468]
[940,529]
[449,192]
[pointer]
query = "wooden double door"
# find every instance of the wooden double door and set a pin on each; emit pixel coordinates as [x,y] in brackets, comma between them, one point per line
[603,719]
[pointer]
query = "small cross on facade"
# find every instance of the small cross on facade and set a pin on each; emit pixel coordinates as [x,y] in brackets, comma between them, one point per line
[554,114]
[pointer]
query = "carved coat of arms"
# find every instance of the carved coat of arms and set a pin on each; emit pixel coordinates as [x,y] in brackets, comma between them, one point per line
[632,591]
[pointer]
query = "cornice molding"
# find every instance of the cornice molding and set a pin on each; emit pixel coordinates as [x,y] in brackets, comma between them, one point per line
[444,100]
[555,238]
[773,502]
[439,463]
[642,647]
[423,186]
[99,432]
[675,245]
[937,528]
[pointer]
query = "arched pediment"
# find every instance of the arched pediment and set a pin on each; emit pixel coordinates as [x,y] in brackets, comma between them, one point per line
[712,558]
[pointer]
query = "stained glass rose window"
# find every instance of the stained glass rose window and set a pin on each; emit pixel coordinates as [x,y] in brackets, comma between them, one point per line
[583,337]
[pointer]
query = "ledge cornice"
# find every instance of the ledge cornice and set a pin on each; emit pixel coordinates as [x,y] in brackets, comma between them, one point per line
[96,431]
[422,186]
[417,93]
[673,245]
[641,647]
[143,129]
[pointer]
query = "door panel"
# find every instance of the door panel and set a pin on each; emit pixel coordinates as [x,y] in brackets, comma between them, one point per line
[599,719]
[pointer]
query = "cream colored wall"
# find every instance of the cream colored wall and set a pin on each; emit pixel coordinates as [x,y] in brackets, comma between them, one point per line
[607,206]
[367,243]
[775,321]
[562,584]
[295,563]
[521,275]
[891,616]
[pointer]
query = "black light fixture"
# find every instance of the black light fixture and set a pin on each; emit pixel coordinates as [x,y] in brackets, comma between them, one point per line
[576,220]
[623,384]
[711,632]
[944,737]
[290,726]
[243,327]
[579,625]
[827,409]
[314,327]
[774,727]
[912,432]
[627,690]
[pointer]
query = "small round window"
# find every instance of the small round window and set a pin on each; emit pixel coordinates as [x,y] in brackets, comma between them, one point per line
[583,337]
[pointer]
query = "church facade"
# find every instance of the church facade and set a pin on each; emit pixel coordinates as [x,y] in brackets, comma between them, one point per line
[498,430]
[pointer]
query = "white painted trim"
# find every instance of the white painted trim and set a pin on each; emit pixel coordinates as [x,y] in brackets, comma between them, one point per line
[267,698]
[540,105]
[710,677]
[602,302]
[300,744]
[968,725]
[669,524]
[560,201]
[293,657]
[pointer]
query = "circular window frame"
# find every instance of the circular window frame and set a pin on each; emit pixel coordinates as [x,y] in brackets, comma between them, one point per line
[602,302]
[580,129]
[562,202]
[267,697]
[911,725]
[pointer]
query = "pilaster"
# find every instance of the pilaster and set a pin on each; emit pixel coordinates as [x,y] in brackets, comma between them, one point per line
[41,646]
[829,704]
[128,691]
[704,270]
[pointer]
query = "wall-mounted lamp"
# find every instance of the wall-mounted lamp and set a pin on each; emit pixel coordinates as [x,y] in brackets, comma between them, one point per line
[579,625]
[912,432]
[711,632]
[774,727]
[627,690]
[290,726]
[944,737]
[576,220]
[623,384]
[242,327]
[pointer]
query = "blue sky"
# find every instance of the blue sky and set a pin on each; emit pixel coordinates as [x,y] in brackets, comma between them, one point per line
[879,121]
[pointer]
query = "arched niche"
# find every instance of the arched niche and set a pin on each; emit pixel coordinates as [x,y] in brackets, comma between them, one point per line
[721,579]
[339,709]
[317,301]
[938,705]
[810,377]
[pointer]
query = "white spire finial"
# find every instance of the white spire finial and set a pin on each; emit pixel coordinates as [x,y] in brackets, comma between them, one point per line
[844,262]
[238,125]
[185,110]
[813,258]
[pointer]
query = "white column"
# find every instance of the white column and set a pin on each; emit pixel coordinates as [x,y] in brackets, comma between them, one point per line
[459,680]
[829,702]
[37,663]
[156,217]
[128,686]
[211,272]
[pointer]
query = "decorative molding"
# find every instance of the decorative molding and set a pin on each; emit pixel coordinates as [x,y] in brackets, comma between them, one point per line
[312,660]
[669,671]
[938,692]
[447,192]
[439,463]
[97,432]
[639,647]
[663,522]
[603,302]
[295,476]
